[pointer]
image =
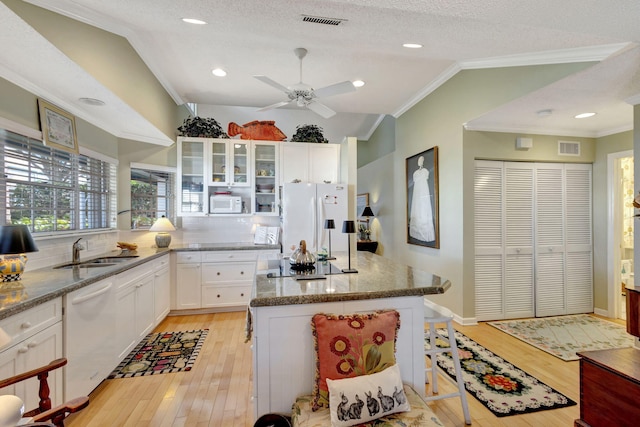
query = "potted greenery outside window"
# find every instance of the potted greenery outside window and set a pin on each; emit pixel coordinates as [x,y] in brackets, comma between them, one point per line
[309,133]
[203,127]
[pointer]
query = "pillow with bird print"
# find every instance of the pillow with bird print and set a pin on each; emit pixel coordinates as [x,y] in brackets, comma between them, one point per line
[348,345]
[353,401]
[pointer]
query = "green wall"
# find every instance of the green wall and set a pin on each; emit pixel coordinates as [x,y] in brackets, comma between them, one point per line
[381,143]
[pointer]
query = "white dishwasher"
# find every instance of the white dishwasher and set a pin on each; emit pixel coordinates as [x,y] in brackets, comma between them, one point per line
[89,328]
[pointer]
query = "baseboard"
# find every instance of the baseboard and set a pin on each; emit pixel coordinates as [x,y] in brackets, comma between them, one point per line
[601,312]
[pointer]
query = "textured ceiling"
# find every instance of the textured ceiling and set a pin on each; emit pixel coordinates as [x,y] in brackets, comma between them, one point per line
[258,37]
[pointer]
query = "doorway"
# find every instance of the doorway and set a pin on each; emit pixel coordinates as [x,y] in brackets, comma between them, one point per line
[621,230]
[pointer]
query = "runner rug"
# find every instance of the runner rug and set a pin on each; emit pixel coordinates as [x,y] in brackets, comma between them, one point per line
[162,353]
[500,386]
[563,336]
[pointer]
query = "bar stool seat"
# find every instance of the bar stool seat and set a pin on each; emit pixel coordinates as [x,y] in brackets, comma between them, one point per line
[434,315]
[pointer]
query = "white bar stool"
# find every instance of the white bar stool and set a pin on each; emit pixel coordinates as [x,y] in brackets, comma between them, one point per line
[433,315]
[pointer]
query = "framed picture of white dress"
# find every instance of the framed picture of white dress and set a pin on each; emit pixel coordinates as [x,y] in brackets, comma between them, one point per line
[422,199]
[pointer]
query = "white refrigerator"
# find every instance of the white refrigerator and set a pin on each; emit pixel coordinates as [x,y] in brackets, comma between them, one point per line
[305,207]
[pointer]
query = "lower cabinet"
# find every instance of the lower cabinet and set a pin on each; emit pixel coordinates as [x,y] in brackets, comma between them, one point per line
[135,315]
[37,340]
[161,290]
[227,284]
[188,280]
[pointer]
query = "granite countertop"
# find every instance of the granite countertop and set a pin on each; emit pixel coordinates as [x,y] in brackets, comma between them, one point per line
[44,284]
[377,277]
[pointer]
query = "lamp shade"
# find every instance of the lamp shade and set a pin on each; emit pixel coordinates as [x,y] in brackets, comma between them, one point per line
[349,227]
[367,212]
[163,225]
[16,239]
[329,224]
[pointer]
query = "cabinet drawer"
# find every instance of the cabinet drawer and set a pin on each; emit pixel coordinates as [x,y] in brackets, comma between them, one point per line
[128,277]
[188,257]
[234,256]
[221,296]
[233,272]
[160,263]
[29,322]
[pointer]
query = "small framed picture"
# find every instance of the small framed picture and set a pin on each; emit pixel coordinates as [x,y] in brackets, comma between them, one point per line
[58,127]
[422,199]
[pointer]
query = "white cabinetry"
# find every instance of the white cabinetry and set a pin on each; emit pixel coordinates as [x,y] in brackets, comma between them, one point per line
[161,288]
[309,162]
[227,277]
[36,340]
[266,164]
[188,280]
[134,307]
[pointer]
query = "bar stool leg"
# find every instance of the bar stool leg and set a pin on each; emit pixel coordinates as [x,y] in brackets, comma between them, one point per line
[434,358]
[459,380]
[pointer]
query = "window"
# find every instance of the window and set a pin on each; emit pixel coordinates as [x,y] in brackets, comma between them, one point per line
[152,195]
[52,190]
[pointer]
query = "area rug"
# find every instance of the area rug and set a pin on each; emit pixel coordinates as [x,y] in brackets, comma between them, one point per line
[501,387]
[563,336]
[162,353]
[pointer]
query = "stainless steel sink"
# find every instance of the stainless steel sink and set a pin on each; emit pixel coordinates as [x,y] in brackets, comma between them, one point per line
[107,261]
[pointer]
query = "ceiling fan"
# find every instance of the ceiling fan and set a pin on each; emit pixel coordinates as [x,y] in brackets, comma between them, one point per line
[304,95]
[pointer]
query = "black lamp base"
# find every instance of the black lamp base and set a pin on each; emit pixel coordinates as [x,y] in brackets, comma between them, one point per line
[349,270]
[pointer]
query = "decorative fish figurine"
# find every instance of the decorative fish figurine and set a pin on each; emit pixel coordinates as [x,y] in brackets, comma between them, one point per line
[264,130]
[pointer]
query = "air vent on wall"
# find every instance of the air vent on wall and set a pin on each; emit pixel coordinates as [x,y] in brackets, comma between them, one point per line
[568,148]
[322,20]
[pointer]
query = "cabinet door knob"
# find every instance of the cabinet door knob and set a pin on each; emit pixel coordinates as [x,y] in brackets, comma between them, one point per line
[32,344]
[242,294]
[25,325]
[23,350]
[218,273]
[242,272]
[218,295]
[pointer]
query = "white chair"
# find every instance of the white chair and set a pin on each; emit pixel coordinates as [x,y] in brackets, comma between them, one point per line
[434,315]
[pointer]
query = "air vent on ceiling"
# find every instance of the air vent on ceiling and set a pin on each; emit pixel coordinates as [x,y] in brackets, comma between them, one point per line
[568,148]
[322,20]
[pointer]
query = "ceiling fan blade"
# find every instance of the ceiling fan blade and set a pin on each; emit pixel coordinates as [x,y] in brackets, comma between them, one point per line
[276,105]
[321,109]
[272,83]
[335,89]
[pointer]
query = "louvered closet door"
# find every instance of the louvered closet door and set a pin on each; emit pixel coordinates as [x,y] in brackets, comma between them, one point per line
[519,263]
[489,240]
[549,240]
[579,258]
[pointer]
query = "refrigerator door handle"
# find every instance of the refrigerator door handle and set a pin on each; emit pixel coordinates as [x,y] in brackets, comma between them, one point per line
[315,222]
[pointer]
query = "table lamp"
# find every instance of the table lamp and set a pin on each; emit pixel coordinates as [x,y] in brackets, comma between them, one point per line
[349,227]
[163,226]
[367,213]
[330,224]
[15,241]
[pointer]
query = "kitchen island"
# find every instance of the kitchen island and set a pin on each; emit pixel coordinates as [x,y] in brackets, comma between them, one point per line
[282,307]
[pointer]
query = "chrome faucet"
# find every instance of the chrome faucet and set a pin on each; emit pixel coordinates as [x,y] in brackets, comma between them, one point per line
[77,247]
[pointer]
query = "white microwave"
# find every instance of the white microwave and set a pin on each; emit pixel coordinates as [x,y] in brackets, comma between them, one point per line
[225,204]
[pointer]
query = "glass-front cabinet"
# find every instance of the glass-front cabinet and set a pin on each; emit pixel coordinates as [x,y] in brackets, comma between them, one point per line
[210,167]
[230,163]
[265,157]
[192,190]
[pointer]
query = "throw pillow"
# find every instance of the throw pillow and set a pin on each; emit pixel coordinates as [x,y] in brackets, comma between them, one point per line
[365,398]
[349,345]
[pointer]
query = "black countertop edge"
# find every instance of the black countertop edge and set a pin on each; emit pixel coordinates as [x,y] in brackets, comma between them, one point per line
[319,298]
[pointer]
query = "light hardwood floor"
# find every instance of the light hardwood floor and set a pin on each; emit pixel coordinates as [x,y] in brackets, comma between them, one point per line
[216,392]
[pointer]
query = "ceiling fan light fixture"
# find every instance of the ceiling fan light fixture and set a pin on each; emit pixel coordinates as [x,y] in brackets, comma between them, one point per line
[358,83]
[218,72]
[194,21]
[584,115]
[412,45]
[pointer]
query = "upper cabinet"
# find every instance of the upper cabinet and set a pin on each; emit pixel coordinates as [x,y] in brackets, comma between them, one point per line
[230,163]
[309,162]
[250,170]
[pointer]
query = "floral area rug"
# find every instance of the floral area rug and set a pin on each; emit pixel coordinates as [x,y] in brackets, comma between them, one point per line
[162,353]
[563,336]
[500,386]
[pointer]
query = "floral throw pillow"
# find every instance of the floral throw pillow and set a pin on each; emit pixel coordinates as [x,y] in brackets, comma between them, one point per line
[349,345]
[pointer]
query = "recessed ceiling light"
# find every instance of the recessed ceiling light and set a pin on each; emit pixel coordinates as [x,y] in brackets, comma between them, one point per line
[412,45]
[358,83]
[194,21]
[218,72]
[92,101]
[584,115]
